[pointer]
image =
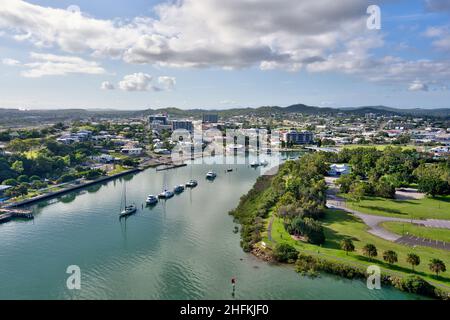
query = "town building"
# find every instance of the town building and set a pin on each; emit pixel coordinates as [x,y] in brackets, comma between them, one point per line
[182,125]
[132,151]
[158,119]
[296,137]
[210,118]
[337,170]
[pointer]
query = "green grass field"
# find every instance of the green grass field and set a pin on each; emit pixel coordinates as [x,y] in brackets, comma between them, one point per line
[427,208]
[339,225]
[380,147]
[418,231]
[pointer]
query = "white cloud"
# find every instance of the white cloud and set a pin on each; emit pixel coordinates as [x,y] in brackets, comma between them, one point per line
[167,83]
[11,62]
[144,82]
[54,65]
[106,85]
[136,82]
[319,36]
[441,35]
[417,85]
[227,102]
[228,34]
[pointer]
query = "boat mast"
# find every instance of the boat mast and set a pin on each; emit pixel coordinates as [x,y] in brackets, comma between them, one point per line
[125,193]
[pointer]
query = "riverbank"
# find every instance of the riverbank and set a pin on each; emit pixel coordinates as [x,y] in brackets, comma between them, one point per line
[262,231]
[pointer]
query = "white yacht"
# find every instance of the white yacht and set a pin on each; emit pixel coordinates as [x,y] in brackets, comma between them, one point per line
[151,200]
[167,194]
[192,184]
[178,189]
[129,209]
[211,175]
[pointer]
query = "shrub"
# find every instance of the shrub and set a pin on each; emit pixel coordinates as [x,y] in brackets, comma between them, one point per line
[67,178]
[23,179]
[10,182]
[285,253]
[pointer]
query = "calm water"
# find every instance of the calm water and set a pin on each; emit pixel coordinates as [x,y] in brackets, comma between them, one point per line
[184,248]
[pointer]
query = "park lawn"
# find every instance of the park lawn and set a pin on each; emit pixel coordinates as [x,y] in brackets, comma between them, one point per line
[117,170]
[339,225]
[418,231]
[426,208]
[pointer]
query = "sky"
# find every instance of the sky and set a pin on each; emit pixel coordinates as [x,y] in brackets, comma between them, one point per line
[217,54]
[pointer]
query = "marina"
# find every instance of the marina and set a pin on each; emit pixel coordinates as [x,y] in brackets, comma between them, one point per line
[185,248]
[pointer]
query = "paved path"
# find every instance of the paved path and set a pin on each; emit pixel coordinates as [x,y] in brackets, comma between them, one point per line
[417,241]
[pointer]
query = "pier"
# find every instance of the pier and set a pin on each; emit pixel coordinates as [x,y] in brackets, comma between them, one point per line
[169,167]
[9,214]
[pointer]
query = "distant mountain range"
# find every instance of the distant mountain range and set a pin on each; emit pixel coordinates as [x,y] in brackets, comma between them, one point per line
[16,117]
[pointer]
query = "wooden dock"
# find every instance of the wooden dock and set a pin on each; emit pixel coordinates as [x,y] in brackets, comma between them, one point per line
[169,167]
[9,214]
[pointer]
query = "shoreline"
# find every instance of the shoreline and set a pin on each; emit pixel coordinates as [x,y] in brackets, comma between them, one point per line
[51,195]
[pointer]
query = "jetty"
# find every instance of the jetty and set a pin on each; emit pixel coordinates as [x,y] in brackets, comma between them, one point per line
[169,167]
[9,214]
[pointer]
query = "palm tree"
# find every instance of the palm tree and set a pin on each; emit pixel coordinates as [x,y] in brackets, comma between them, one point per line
[413,259]
[347,245]
[370,250]
[437,266]
[390,256]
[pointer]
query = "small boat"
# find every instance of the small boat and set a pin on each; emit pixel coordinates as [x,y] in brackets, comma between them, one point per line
[265,163]
[166,194]
[230,170]
[211,175]
[129,209]
[178,189]
[254,164]
[151,200]
[192,184]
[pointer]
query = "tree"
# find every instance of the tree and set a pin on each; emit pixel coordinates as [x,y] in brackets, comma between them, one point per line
[345,182]
[10,182]
[369,250]
[23,179]
[309,228]
[357,191]
[413,259]
[284,253]
[437,266]
[35,178]
[17,166]
[433,179]
[347,245]
[384,189]
[390,256]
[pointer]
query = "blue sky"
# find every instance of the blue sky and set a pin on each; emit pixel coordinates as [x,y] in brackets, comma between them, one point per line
[215,54]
